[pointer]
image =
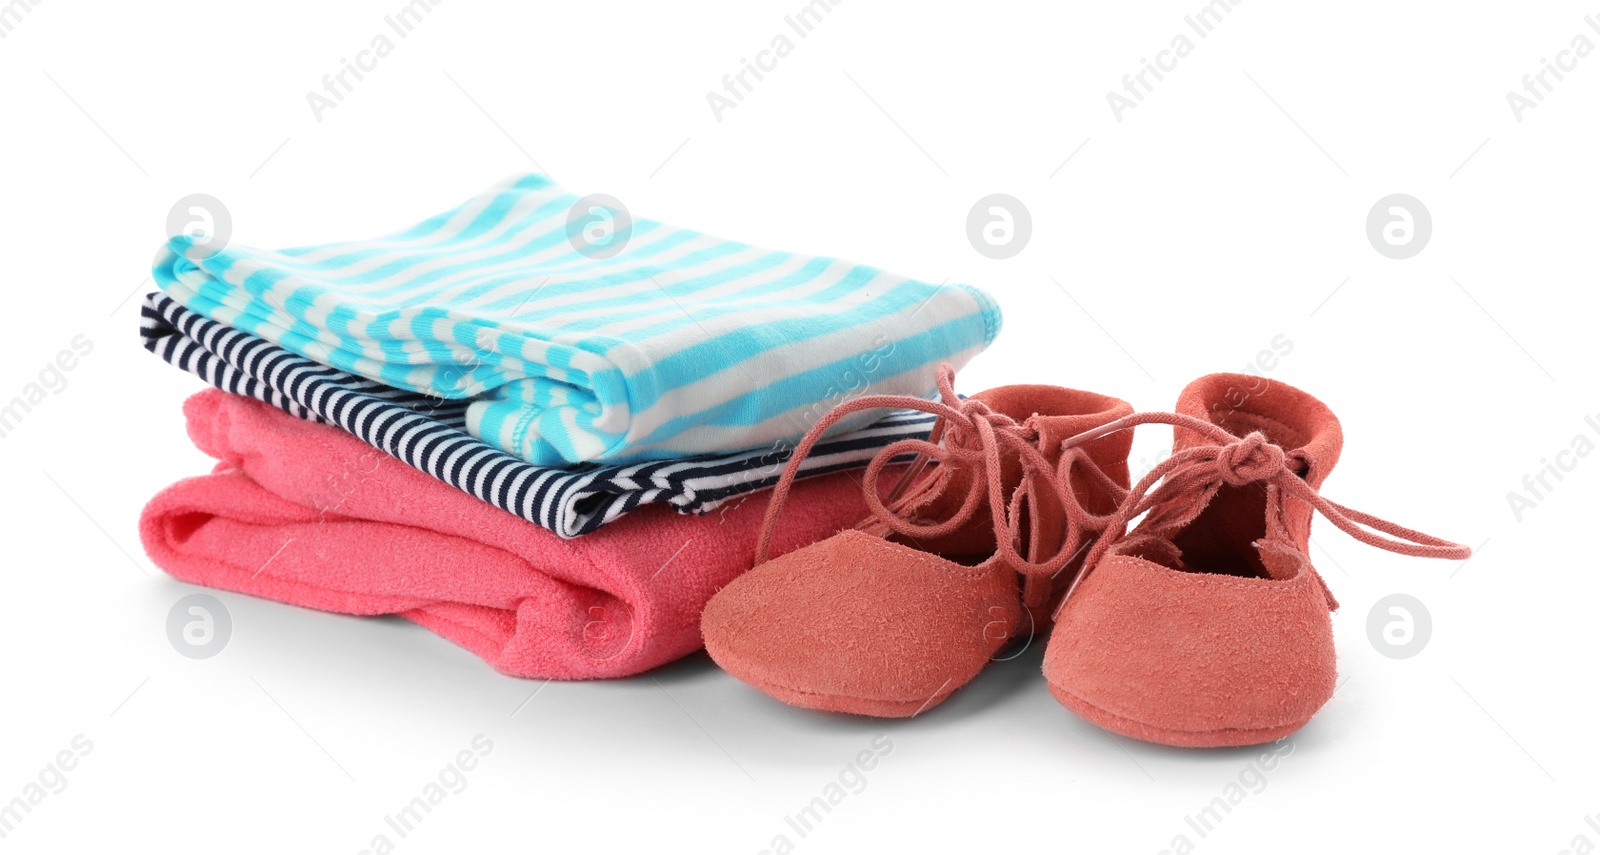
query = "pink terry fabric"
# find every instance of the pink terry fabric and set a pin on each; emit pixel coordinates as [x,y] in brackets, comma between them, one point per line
[309,515]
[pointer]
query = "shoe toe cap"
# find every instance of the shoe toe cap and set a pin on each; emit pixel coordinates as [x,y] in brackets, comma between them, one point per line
[1192,658]
[859,624]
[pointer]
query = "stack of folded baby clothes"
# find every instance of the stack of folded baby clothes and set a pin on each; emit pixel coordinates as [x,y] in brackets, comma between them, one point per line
[536,444]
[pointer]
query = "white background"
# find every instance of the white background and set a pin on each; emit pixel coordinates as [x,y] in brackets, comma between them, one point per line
[1226,209]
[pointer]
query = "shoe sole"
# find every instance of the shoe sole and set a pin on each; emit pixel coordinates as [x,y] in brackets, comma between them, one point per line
[874,707]
[1219,738]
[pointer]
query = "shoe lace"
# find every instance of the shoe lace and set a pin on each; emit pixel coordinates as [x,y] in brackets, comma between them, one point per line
[1175,492]
[989,438]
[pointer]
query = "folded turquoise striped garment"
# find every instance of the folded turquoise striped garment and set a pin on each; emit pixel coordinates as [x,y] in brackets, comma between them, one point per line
[650,342]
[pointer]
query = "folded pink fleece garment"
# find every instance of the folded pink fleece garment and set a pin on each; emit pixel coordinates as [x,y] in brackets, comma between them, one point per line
[309,515]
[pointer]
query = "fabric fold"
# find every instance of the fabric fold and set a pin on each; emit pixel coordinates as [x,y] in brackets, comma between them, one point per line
[429,433]
[309,515]
[581,334]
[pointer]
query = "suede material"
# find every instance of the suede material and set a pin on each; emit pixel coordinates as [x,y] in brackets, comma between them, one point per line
[866,624]
[1193,659]
[818,630]
[1218,633]
[308,514]
[1298,423]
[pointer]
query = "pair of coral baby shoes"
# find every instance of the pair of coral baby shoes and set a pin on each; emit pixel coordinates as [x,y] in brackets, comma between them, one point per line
[1203,624]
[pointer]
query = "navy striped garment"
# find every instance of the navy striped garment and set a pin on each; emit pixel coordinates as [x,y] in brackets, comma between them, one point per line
[583,335]
[427,432]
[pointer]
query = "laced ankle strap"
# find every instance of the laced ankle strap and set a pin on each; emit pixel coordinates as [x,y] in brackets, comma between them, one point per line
[1175,492]
[991,437]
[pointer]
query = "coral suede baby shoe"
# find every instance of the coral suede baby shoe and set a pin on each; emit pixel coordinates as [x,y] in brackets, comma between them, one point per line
[887,619]
[1206,625]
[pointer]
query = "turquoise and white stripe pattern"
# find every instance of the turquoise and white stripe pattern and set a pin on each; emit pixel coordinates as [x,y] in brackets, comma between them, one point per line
[678,344]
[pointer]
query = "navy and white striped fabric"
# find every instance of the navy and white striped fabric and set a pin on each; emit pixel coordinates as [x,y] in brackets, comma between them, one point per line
[582,336]
[427,433]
